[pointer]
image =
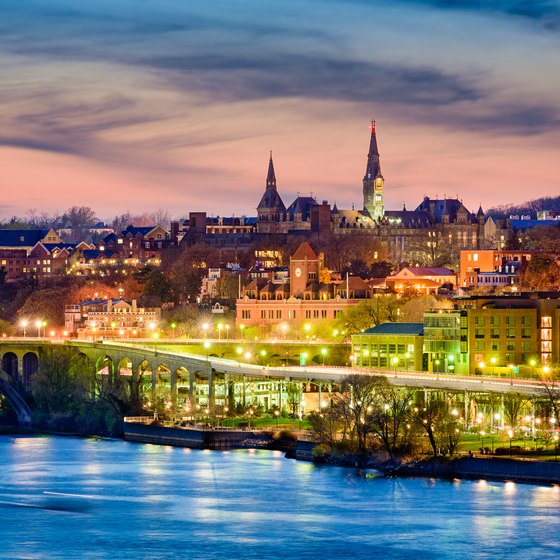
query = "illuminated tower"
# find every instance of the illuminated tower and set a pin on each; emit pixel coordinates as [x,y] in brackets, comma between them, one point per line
[373,180]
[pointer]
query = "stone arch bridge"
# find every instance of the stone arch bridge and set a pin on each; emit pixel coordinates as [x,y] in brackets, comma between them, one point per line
[210,382]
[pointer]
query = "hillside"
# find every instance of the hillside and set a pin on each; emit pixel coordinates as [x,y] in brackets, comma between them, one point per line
[550,203]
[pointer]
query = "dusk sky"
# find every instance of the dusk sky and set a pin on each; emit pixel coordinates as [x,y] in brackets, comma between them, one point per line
[137,105]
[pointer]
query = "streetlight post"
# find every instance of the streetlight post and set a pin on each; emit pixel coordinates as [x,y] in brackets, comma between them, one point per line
[323,354]
[510,434]
[24,324]
[206,348]
[173,325]
[395,361]
[493,361]
[220,327]
[276,414]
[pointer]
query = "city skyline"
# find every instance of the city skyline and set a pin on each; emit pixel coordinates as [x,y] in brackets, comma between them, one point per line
[126,106]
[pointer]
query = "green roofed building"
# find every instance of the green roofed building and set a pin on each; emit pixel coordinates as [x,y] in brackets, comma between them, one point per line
[390,346]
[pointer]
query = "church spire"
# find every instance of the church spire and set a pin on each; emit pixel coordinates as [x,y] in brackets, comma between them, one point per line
[373,167]
[271,176]
[373,182]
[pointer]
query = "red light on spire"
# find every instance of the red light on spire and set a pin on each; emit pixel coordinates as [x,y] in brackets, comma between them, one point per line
[372,126]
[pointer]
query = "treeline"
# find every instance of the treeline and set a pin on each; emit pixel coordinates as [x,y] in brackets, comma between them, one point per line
[531,207]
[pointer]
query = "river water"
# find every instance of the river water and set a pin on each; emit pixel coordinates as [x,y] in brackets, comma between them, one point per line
[88,498]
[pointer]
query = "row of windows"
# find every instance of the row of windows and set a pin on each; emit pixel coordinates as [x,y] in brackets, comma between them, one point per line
[497,333]
[481,345]
[496,320]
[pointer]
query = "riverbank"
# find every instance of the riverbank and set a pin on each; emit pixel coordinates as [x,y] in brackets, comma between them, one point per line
[470,468]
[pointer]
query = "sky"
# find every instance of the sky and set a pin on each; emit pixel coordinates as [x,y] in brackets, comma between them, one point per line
[138,105]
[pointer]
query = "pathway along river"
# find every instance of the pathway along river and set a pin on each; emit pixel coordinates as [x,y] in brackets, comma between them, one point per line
[86,498]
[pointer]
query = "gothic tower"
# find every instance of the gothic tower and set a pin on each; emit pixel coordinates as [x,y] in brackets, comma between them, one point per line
[373,181]
[271,209]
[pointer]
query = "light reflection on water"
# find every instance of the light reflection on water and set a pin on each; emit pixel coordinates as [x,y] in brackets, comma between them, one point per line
[72,498]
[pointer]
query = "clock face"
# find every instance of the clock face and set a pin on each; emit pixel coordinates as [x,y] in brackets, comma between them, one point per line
[298,271]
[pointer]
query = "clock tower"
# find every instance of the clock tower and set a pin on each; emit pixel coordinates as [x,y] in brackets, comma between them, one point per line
[373,182]
[304,269]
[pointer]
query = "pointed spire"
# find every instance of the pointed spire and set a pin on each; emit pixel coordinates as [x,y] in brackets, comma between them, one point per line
[480,212]
[373,168]
[271,176]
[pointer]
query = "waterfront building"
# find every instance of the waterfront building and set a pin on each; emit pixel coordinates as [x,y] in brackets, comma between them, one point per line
[500,334]
[390,346]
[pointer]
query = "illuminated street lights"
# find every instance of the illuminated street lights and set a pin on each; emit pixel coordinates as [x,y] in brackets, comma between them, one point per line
[38,325]
[284,329]
[493,361]
[24,324]
[207,347]
[227,332]
[276,414]
[242,329]
[451,363]
[533,364]
[173,327]
[395,362]
[205,327]
[220,327]
[406,358]
[323,354]
[510,434]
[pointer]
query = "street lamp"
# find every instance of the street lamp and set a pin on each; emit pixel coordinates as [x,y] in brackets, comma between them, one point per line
[205,329]
[493,361]
[510,434]
[227,332]
[173,326]
[220,327]
[323,354]
[481,366]
[38,325]
[406,358]
[395,361]
[242,329]
[451,362]
[206,347]
[276,414]
[437,366]
[263,356]
[24,324]
[284,329]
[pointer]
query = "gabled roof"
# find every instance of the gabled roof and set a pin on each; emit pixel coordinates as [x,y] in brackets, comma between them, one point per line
[397,328]
[21,237]
[444,207]
[302,205]
[304,251]
[271,201]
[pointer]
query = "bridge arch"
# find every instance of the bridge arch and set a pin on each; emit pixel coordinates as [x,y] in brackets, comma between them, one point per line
[30,367]
[10,363]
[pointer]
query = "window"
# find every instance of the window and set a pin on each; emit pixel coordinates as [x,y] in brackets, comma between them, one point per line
[510,345]
[479,333]
[525,333]
[479,345]
[510,321]
[495,320]
[495,333]
[510,333]
[479,321]
[526,321]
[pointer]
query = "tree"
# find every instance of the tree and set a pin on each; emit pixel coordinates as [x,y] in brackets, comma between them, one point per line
[370,313]
[46,305]
[62,383]
[436,419]
[79,216]
[541,273]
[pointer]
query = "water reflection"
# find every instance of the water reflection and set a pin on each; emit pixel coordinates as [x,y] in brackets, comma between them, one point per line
[123,500]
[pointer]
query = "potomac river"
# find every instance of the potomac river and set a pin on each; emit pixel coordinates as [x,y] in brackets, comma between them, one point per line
[64,497]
